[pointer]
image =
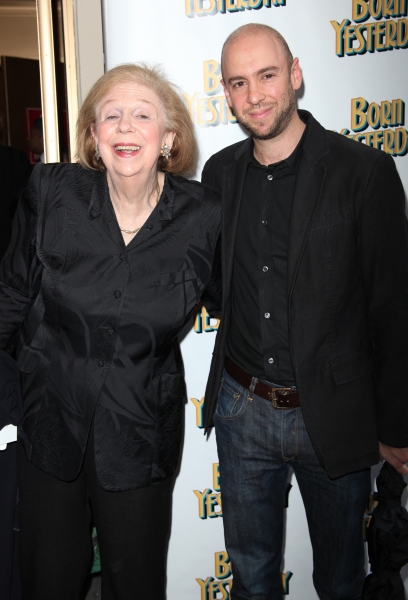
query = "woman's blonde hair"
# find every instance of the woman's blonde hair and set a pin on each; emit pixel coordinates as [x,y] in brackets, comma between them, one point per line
[176,118]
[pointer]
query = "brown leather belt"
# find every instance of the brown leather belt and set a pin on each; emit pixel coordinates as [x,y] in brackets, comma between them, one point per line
[281,397]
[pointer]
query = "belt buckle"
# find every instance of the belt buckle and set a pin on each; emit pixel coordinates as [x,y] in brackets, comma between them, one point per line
[284,391]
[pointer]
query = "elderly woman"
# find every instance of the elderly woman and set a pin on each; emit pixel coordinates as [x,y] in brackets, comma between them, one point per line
[107,261]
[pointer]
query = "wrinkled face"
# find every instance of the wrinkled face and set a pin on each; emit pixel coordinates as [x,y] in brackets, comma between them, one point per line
[129,130]
[259,86]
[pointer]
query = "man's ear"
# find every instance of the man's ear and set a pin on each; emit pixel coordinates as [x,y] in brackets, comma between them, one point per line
[296,74]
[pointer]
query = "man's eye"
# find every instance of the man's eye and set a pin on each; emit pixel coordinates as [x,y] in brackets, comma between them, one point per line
[238,84]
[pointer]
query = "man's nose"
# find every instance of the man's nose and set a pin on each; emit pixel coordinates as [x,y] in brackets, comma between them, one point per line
[255,94]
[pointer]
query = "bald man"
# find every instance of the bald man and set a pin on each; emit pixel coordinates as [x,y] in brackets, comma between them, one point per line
[310,362]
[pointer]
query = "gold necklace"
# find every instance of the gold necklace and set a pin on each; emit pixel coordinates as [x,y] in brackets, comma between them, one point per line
[139,228]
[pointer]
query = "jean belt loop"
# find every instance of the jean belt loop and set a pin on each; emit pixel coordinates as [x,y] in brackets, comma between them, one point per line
[252,387]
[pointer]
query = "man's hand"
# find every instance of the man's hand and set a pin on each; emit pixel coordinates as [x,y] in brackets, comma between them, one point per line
[397,457]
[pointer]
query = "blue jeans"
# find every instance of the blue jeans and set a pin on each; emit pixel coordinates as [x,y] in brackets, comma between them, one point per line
[257,445]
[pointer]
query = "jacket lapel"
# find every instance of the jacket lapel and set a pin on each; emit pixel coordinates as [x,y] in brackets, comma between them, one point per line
[232,188]
[309,184]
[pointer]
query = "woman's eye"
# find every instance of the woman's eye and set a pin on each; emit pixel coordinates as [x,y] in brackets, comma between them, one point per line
[110,117]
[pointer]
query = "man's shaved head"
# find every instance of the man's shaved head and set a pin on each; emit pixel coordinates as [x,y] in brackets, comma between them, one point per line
[254,29]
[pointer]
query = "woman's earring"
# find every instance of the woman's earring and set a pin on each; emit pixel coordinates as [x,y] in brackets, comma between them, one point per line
[97,153]
[165,151]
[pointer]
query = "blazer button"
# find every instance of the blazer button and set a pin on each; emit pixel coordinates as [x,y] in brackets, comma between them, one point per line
[149,227]
[110,332]
[100,363]
[122,257]
[117,294]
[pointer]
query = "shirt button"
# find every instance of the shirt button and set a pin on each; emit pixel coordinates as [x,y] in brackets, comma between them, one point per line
[267,315]
[110,332]
[265,269]
[270,361]
[149,227]
[117,294]
[122,256]
[100,363]
[264,222]
[270,177]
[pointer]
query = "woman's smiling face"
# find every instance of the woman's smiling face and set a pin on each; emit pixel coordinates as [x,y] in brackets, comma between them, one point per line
[129,130]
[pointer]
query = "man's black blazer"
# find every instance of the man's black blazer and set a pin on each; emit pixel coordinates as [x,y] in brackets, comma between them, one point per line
[347,290]
[98,322]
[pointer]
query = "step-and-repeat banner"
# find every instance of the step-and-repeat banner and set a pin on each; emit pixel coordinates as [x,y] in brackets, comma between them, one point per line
[354,58]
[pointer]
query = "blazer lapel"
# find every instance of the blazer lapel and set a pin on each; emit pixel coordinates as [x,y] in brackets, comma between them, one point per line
[232,188]
[309,184]
[307,192]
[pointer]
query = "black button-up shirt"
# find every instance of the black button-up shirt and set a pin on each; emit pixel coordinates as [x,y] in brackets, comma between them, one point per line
[99,322]
[259,340]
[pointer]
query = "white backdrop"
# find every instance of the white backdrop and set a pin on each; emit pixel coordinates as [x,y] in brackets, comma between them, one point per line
[353,53]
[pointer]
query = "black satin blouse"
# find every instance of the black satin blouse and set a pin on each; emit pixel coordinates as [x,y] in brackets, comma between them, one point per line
[99,321]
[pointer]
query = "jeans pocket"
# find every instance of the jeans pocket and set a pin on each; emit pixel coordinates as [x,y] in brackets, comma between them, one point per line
[232,401]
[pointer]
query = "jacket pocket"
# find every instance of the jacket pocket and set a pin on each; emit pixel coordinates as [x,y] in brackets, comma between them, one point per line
[29,359]
[351,367]
[333,218]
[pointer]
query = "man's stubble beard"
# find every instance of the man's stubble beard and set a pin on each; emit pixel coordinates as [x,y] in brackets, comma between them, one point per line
[282,119]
